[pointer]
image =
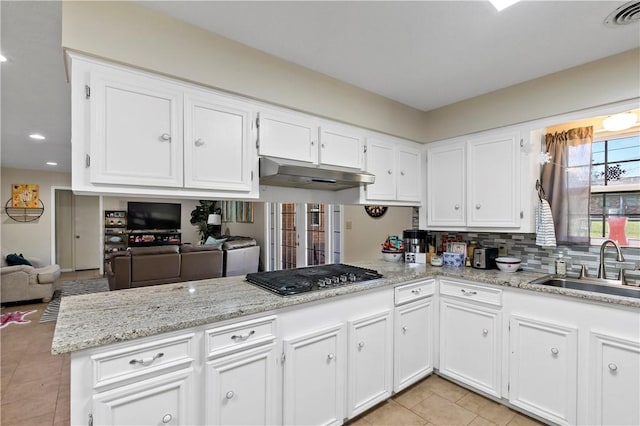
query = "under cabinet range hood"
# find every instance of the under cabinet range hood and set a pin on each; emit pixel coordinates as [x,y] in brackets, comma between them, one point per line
[278,172]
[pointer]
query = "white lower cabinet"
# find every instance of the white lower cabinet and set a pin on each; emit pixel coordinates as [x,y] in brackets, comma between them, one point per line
[370,351]
[615,378]
[470,340]
[413,343]
[543,368]
[314,372]
[163,400]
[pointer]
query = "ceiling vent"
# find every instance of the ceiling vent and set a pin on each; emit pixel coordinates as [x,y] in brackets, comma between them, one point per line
[628,13]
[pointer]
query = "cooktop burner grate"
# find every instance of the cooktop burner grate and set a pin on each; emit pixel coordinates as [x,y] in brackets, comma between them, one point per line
[300,280]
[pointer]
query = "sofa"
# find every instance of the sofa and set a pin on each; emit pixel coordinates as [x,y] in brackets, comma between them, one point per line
[145,266]
[23,282]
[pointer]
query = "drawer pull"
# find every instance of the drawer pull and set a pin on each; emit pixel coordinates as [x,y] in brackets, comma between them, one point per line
[485,331]
[167,418]
[404,330]
[613,367]
[554,351]
[417,290]
[360,345]
[147,361]
[241,337]
[165,137]
[468,293]
[330,357]
[230,394]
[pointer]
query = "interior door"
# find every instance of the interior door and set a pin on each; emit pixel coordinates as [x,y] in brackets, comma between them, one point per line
[87,229]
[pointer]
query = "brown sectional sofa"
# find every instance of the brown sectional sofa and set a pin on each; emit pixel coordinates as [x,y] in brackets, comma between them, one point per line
[145,266]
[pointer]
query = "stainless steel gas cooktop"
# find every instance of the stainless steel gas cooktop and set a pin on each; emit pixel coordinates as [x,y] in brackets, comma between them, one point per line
[301,280]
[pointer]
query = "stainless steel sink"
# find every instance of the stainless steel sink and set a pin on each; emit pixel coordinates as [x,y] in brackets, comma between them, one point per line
[595,285]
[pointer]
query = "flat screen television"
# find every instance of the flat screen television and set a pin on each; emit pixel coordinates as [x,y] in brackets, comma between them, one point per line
[150,216]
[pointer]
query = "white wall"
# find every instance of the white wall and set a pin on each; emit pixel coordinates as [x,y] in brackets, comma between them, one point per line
[363,241]
[29,238]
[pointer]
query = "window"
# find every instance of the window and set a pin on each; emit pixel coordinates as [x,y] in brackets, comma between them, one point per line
[614,210]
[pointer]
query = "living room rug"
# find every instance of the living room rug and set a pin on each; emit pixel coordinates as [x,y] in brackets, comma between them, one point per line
[72,288]
[17,317]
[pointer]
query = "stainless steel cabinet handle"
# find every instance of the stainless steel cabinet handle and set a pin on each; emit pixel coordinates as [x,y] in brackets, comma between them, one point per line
[330,357]
[416,290]
[167,418]
[478,206]
[404,330]
[199,142]
[468,293]
[555,351]
[241,337]
[165,137]
[485,331]
[230,395]
[360,345]
[613,367]
[146,361]
[457,207]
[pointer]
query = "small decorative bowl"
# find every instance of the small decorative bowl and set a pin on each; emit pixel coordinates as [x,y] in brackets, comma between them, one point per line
[392,256]
[455,260]
[436,261]
[508,264]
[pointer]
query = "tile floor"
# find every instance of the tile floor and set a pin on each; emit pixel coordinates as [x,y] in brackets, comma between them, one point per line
[35,385]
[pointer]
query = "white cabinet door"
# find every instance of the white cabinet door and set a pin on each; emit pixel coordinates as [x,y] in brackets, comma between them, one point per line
[314,371]
[168,399]
[240,388]
[543,365]
[341,147]
[408,170]
[381,162]
[446,180]
[136,130]
[470,345]
[370,354]
[217,148]
[615,380]
[288,136]
[493,181]
[413,347]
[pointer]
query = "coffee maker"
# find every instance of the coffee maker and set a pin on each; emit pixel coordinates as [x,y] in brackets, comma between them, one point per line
[416,245]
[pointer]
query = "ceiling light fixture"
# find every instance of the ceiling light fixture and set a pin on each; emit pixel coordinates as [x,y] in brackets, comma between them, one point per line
[51,163]
[620,121]
[37,136]
[502,4]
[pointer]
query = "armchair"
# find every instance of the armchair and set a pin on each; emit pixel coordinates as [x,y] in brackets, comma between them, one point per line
[24,282]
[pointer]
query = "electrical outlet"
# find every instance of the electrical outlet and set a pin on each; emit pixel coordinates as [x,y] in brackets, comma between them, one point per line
[502,250]
[348,224]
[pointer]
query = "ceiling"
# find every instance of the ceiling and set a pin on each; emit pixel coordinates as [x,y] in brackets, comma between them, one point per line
[425,54]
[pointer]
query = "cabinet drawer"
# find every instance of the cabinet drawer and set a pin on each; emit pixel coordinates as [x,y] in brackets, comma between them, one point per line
[233,337]
[414,291]
[139,360]
[471,292]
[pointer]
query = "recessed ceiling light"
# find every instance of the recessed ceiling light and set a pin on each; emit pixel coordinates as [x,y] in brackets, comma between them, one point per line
[502,4]
[51,163]
[37,136]
[2,58]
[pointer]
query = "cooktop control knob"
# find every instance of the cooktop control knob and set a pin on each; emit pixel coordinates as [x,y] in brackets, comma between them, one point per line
[352,277]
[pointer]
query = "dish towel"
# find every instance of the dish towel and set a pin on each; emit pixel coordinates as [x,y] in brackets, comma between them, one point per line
[545,230]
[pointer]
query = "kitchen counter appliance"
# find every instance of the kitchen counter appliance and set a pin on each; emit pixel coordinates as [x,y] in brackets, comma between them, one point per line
[301,280]
[416,245]
[485,258]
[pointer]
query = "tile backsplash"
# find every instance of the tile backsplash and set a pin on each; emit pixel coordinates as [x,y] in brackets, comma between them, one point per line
[540,259]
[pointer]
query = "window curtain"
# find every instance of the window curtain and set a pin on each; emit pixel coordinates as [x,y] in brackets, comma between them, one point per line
[567,183]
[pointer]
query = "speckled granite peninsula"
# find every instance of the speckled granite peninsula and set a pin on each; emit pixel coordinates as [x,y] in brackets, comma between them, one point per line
[99,319]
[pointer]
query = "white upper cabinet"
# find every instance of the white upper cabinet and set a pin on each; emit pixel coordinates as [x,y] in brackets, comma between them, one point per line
[396,167]
[288,136]
[341,146]
[493,181]
[136,130]
[475,183]
[217,146]
[446,174]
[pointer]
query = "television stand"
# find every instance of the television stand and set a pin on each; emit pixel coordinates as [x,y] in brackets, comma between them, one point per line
[154,238]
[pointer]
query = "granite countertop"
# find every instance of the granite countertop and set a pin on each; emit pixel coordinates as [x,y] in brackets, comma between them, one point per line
[98,319]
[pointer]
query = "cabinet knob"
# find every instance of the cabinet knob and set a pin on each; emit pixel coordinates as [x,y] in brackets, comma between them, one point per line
[313,143]
[167,418]
[478,206]
[165,137]
[322,146]
[402,173]
[404,330]
[360,345]
[457,207]
[230,394]
[199,142]
[555,351]
[330,357]
[613,367]
[485,331]
[389,171]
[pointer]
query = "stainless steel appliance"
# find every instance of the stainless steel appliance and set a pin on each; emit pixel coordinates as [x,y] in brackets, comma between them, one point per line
[301,280]
[485,258]
[416,245]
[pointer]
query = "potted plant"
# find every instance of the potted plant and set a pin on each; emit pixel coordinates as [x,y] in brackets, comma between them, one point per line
[199,216]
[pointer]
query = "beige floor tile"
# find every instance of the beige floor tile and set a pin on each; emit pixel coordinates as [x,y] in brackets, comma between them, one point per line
[414,395]
[521,420]
[440,411]
[27,408]
[359,421]
[472,402]
[445,388]
[32,389]
[43,420]
[486,408]
[392,413]
[479,421]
